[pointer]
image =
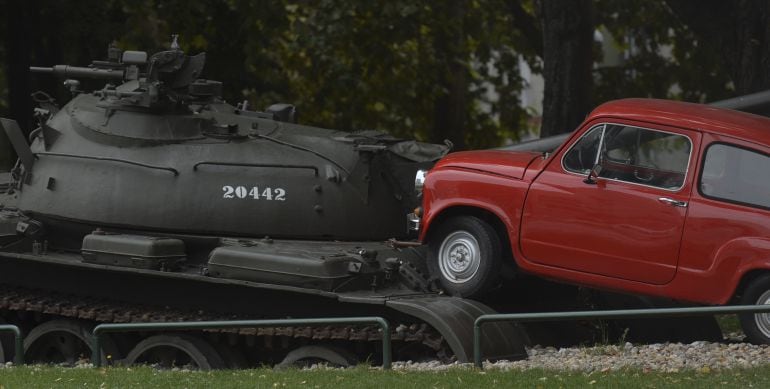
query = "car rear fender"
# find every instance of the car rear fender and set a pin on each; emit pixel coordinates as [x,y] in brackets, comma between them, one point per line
[735,260]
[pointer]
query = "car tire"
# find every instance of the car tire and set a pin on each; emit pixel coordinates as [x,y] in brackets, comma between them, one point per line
[464,255]
[756,326]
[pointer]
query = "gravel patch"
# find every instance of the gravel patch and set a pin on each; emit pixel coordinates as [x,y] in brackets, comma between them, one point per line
[665,357]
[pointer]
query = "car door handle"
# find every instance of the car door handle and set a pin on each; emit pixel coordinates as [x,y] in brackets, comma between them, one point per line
[672,202]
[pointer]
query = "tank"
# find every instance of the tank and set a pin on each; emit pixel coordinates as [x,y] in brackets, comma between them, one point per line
[152,199]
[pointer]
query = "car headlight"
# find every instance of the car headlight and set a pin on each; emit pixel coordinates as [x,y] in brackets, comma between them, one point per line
[419,180]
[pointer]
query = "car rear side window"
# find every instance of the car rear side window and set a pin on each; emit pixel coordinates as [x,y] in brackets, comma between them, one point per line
[737,175]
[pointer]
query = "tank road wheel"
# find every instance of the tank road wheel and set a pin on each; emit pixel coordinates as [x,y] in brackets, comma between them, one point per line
[464,254]
[65,342]
[306,356]
[176,350]
[756,326]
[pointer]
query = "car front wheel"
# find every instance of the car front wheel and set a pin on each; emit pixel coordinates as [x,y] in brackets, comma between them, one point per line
[757,326]
[465,256]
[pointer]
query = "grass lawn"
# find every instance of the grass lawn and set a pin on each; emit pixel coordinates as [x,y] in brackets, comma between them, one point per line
[367,377]
[364,377]
[729,324]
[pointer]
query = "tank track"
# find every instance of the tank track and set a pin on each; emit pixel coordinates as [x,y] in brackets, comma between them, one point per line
[41,302]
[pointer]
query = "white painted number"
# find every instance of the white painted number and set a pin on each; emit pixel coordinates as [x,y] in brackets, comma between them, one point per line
[280,194]
[242,192]
[267,195]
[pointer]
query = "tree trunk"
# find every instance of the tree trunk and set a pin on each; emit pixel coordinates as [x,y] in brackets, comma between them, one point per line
[739,30]
[18,48]
[16,72]
[449,115]
[567,62]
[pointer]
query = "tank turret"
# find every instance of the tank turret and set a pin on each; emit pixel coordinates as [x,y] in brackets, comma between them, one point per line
[169,79]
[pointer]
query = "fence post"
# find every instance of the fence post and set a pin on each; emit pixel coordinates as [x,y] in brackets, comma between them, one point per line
[18,342]
[477,343]
[386,351]
[96,352]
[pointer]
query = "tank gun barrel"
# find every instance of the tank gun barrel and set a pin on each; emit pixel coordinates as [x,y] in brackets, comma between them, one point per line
[80,72]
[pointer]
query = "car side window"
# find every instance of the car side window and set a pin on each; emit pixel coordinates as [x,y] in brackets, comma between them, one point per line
[632,154]
[736,174]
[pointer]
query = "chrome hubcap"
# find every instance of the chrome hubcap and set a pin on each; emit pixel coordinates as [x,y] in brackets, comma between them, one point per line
[459,257]
[763,319]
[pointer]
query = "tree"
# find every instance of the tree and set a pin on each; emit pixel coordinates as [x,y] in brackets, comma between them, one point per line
[662,56]
[17,18]
[567,62]
[410,67]
[739,31]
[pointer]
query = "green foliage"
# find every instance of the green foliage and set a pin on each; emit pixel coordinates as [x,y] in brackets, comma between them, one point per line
[361,65]
[663,56]
[729,324]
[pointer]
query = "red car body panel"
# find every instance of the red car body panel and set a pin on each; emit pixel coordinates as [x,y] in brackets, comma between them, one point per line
[614,234]
[491,161]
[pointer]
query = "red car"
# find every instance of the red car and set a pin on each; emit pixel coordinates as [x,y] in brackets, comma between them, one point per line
[650,197]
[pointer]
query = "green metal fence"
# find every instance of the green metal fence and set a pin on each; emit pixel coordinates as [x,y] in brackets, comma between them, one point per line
[612,314]
[18,343]
[385,326]
[211,325]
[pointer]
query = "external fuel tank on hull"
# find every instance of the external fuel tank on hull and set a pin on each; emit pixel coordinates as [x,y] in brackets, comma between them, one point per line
[158,149]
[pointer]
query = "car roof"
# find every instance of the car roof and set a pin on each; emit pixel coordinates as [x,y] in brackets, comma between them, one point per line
[721,121]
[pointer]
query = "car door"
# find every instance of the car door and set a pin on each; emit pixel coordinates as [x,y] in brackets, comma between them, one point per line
[628,222]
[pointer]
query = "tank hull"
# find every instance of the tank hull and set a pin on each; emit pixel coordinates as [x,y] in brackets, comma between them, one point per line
[63,286]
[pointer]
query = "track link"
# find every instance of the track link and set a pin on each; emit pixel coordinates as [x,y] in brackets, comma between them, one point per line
[98,310]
